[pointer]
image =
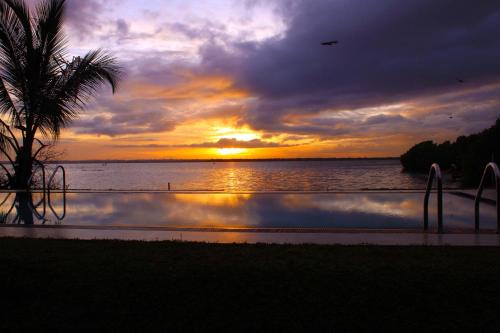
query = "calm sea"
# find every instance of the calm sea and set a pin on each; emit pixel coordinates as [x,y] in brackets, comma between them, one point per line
[245,176]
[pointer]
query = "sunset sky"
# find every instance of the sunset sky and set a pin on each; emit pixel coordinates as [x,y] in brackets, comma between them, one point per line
[249,79]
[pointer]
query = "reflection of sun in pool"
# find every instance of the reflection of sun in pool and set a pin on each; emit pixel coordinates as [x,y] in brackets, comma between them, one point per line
[230,151]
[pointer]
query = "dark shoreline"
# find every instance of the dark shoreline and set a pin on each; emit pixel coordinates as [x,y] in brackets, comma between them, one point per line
[230,160]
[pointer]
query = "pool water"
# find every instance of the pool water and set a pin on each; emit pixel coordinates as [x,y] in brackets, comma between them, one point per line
[341,210]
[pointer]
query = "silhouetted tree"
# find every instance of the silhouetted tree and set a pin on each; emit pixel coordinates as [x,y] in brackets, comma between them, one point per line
[41,90]
[420,157]
[468,155]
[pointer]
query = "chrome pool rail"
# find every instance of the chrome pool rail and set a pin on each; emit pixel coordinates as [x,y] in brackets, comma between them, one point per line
[59,217]
[59,167]
[42,167]
[491,167]
[34,206]
[435,172]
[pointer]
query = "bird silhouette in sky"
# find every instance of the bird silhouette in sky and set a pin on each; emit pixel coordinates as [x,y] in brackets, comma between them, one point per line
[330,43]
[460,81]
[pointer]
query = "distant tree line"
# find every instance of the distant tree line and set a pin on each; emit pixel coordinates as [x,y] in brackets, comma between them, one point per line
[464,158]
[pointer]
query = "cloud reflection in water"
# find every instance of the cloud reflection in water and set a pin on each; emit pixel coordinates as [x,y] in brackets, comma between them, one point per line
[264,210]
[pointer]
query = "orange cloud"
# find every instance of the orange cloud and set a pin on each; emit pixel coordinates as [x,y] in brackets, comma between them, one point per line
[202,88]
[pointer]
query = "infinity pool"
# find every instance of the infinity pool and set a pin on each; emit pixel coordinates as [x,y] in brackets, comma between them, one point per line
[301,210]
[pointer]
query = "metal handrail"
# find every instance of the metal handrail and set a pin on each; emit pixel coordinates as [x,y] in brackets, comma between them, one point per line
[435,172]
[34,206]
[59,167]
[41,166]
[496,172]
[59,217]
[11,206]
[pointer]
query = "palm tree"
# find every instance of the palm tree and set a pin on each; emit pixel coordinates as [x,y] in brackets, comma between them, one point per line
[41,90]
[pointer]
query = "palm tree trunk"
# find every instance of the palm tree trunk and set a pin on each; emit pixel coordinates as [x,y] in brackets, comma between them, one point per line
[24,168]
[23,207]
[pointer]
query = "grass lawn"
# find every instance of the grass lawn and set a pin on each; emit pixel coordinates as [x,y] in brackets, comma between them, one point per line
[62,285]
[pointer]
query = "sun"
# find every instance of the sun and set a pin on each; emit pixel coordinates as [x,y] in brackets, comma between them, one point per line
[230,151]
[235,133]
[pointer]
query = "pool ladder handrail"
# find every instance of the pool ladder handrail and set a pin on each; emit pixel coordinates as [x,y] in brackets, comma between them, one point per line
[491,167]
[49,183]
[40,166]
[59,167]
[35,206]
[435,172]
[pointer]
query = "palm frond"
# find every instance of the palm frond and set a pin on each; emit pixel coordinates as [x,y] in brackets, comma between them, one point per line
[77,83]
[51,39]
[8,136]
[4,142]
[12,51]
[88,73]
[49,18]
[8,143]
[7,104]
[21,10]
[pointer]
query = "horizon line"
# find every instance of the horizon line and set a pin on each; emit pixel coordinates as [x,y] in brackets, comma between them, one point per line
[222,160]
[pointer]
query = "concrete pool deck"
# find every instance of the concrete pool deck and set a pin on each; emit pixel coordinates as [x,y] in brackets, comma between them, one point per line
[393,237]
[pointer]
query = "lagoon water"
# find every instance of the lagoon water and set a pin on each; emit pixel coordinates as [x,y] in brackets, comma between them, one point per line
[308,211]
[363,194]
[337,175]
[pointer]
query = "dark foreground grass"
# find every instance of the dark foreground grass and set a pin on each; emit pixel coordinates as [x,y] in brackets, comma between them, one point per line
[60,285]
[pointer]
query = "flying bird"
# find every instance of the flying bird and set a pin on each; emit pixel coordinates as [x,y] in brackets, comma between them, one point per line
[330,43]
[460,81]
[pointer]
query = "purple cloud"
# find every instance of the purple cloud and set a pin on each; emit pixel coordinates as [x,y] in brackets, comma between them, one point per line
[388,52]
[221,143]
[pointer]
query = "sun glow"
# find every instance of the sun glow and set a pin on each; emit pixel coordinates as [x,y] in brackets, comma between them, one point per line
[235,133]
[230,151]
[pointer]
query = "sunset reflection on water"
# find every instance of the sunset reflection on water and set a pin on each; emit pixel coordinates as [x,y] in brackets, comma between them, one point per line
[245,176]
[372,210]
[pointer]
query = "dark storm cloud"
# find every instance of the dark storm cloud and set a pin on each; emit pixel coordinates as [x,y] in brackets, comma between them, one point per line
[83,16]
[355,126]
[389,51]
